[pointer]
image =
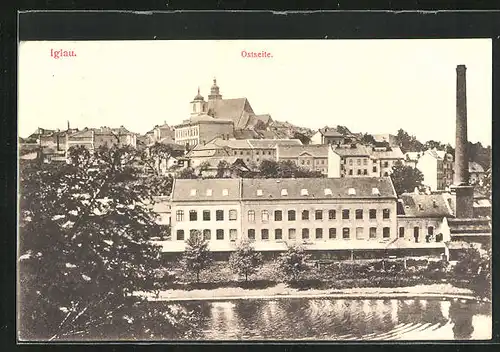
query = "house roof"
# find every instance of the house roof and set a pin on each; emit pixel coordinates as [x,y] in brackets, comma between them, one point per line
[394,153]
[246,134]
[330,132]
[425,205]
[294,151]
[238,110]
[358,150]
[475,167]
[469,226]
[255,119]
[183,188]
[317,188]
[272,143]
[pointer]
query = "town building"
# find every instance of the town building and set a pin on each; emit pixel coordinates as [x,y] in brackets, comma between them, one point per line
[330,135]
[250,151]
[386,158]
[387,138]
[93,138]
[313,157]
[219,118]
[437,169]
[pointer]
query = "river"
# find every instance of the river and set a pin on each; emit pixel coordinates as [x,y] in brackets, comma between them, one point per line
[340,319]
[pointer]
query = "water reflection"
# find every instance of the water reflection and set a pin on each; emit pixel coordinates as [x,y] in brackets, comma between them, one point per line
[343,319]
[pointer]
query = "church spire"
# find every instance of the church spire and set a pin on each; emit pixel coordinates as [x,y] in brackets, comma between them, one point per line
[214,91]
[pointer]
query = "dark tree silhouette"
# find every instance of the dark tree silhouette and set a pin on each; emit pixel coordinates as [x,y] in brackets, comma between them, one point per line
[406,178]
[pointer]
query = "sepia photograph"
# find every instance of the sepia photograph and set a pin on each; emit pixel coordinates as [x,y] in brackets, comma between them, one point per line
[254,190]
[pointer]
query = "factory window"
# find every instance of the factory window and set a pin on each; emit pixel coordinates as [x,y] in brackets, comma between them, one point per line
[365,172]
[359,161]
[207,235]
[308,162]
[319,233]
[264,234]
[251,216]
[401,232]
[359,214]
[332,214]
[373,232]
[386,232]
[233,235]
[265,216]
[373,213]
[180,235]
[251,234]
[209,192]
[332,233]
[257,152]
[365,162]
[193,215]
[302,162]
[430,230]
[305,214]
[291,234]
[345,214]
[259,192]
[179,215]
[386,213]
[225,192]
[232,214]
[241,153]
[374,169]
[219,215]
[206,215]
[350,161]
[359,171]
[219,234]
[284,192]
[193,192]
[360,233]
[291,215]
[386,164]
[305,234]
[386,174]
[278,234]
[350,172]
[318,214]
[346,233]
[278,215]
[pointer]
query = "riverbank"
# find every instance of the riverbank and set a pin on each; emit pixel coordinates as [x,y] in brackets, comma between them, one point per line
[282,290]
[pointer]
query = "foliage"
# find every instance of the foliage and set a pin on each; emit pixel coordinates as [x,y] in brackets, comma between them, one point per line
[292,263]
[187,172]
[479,154]
[367,139]
[405,178]
[343,130]
[484,186]
[284,169]
[434,145]
[197,257]
[474,267]
[302,137]
[157,185]
[245,260]
[408,143]
[84,245]
[222,168]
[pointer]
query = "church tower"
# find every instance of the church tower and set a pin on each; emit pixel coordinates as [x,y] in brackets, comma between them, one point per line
[214,92]
[198,104]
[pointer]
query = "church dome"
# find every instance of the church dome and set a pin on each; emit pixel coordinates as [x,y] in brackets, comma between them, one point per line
[199,96]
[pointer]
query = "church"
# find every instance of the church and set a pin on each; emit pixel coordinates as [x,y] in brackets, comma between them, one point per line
[220,118]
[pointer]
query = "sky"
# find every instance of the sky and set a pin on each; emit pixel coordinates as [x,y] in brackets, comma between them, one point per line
[374,86]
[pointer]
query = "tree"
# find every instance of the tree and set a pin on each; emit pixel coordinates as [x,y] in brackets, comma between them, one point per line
[408,143]
[284,169]
[434,145]
[292,263]
[473,266]
[367,139]
[222,168]
[245,261]
[84,246]
[197,257]
[187,172]
[302,137]
[156,157]
[405,178]
[343,130]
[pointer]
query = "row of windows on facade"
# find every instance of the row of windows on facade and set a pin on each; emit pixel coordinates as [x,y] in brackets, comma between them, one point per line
[187,133]
[365,162]
[278,215]
[284,192]
[305,233]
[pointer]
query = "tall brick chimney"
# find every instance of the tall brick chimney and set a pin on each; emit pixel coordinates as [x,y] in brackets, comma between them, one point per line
[461,158]
[463,194]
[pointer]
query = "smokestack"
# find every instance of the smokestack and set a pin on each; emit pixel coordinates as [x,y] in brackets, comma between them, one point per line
[461,158]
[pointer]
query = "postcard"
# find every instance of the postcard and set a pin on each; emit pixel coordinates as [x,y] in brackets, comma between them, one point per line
[218,190]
